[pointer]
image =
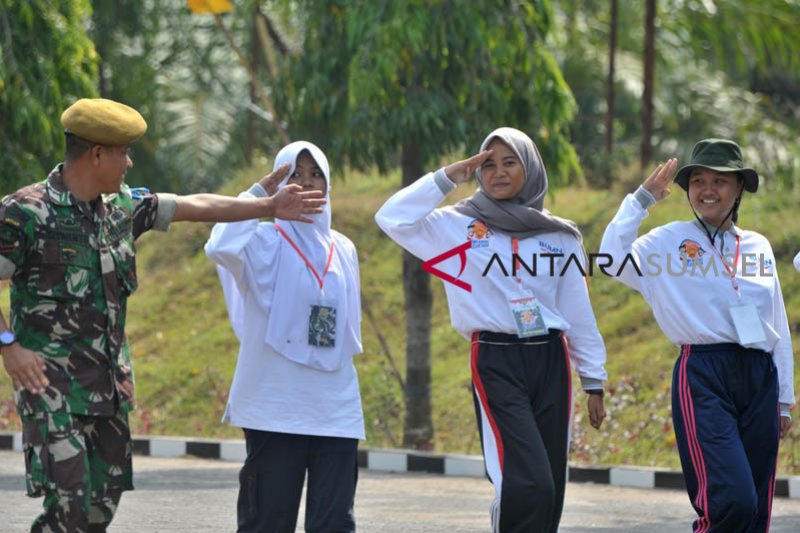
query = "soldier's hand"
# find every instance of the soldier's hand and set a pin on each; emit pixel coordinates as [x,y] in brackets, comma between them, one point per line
[291,203]
[125,384]
[25,367]
[270,181]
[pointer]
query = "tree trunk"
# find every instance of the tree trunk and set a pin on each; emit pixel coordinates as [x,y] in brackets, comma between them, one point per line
[418,429]
[612,52]
[102,82]
[251,131]
[646,153]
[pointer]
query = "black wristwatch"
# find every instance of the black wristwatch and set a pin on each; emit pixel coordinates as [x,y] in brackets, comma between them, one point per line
[598,392]
[7,337]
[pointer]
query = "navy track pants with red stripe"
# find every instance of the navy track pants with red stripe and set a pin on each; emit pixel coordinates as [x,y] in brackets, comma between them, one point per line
[523,399]
[726,417]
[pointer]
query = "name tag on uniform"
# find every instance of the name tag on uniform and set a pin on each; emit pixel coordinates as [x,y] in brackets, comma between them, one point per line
[748,324]
[528,317]
[322,326]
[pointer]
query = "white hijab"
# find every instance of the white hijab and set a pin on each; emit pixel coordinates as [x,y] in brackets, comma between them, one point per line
[313,239]
[287,288]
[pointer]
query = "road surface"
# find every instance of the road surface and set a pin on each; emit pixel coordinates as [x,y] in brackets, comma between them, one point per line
[199,495]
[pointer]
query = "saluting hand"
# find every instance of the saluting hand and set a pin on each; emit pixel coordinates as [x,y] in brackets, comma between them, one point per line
[271,181]
[657,183]
[26,368]
[461,171]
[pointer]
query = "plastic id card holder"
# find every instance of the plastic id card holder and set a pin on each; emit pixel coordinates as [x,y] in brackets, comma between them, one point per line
[748,324]
[528,317]
[322,326]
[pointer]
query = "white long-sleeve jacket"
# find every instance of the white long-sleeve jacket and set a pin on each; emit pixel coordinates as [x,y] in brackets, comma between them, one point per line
[269,391]
[689,290]
[411,219]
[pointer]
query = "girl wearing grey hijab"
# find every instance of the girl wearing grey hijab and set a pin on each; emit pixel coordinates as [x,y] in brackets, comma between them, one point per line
[528,325]
[523,215]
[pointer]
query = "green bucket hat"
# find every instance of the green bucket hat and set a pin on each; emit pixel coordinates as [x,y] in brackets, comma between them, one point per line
[721,155]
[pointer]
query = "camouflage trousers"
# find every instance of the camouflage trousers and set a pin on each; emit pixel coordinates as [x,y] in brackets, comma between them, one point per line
[80,464]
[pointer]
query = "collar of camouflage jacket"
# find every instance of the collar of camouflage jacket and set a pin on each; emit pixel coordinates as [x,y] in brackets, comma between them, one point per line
[60,195]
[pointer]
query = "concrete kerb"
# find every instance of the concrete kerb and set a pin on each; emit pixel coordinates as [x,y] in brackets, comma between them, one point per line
[396,460]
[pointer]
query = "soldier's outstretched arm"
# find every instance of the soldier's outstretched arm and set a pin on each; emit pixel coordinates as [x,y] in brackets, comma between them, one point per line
[25,367]
[289,203]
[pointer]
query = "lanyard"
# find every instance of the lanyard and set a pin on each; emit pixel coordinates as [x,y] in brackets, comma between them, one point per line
[304,258]
[732,272]
[515,249]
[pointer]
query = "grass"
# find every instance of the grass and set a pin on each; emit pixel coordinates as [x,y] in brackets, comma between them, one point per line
[185,351]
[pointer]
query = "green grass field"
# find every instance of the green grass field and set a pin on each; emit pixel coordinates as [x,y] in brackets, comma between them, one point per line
[185,351]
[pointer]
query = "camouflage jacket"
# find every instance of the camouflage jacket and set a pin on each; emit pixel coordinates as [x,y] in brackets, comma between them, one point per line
[72,266]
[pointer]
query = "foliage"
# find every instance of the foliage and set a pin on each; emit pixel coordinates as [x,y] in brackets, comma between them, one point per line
[764,35]
[710,81]
[179,72]
[728,83]
[47,63]
[184,349]
[437,74]
[410,80]
[174,68]
[362,79]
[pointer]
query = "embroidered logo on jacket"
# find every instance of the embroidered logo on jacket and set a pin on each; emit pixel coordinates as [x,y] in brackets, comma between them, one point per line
[752,266]
[691,252]
[479,233]
[547,248]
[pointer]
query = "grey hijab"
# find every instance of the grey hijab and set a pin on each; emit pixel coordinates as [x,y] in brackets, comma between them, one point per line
[522,216]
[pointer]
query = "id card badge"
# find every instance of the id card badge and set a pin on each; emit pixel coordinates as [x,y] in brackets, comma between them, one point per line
[747,323]
[322,325]
[528,317]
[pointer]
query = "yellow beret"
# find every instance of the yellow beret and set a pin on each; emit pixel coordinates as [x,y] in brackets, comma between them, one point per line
[103,121]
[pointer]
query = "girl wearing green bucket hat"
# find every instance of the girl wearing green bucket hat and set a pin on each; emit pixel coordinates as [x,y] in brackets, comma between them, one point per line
[714,292]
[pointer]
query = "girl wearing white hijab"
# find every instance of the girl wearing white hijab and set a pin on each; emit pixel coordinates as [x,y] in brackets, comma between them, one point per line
[526,329]
[292,291]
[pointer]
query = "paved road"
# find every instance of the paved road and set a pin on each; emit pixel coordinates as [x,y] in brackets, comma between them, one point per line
[187,494]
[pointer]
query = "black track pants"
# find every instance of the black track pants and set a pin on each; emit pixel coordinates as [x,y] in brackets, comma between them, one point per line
[523,399]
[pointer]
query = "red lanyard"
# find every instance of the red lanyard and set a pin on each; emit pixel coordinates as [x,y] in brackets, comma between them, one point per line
[735,263]
[304,258]
[515,249]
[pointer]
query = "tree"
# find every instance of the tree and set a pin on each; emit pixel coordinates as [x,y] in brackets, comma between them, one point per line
[180,73]
[646,153]
[612,53]
[711,81]
[411,80]
[754,72]
[47,62]
[581,44]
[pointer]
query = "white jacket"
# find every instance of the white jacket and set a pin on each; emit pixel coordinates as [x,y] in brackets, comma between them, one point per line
[271,392]
[693,307]
[411,219]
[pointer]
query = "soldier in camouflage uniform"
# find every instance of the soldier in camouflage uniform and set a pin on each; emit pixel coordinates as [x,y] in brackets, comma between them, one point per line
[67,246]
